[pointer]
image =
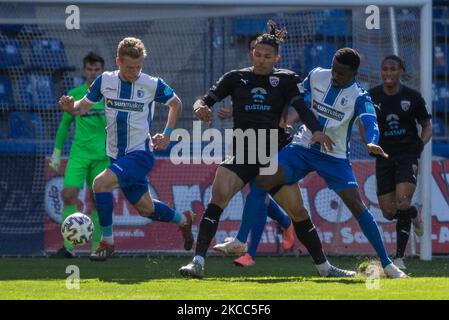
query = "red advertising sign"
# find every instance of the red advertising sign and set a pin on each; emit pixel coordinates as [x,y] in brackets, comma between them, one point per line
[188,186]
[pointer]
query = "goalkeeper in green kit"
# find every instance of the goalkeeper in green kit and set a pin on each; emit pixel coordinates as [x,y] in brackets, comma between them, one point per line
[87,155]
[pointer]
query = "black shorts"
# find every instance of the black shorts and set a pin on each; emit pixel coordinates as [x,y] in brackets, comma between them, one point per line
[246,172]
[390,172]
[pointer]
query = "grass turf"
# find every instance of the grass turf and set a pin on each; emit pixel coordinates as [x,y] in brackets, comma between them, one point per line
[157,278]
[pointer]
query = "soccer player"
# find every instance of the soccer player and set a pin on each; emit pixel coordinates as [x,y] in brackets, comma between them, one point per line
[259,95]
[87,155]
[255,221]
[336,100]
[128,95]
[399,109]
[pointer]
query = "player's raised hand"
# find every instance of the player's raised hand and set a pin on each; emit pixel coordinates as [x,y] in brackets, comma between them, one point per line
[374,149]
[204,113]
[225,112]
[161,141]
[323,139]
[66,103]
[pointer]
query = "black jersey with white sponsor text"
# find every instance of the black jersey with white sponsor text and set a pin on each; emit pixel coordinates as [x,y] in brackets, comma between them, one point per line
[257,100]
[397,117]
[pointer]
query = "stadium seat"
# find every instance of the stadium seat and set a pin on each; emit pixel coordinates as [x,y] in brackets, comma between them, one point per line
[336,23]
[441,97]
[249,27]
[441,59]
[70,82]
[10,53]
[25,125]
[37,91]
[48,54]
[6,97]
[440,149]
[319,54]
[438,127]
[290,56]
[441,21]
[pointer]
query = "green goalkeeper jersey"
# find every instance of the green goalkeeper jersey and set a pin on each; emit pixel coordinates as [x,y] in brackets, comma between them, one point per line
[90,129]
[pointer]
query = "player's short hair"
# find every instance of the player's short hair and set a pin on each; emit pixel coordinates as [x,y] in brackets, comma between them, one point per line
[395,58]
[349,57]
[92,58]
[274,37]
[131,47]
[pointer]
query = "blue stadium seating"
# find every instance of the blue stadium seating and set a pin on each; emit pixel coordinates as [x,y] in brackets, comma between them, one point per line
[249,27]
[37,91]
[70,82]
[336,23]
[48,54]
[438,127]
[25,125]
[319,54]
[441,59]
[440,96]
[10,53]
[290,56]
[371,57]
[441,24]
[6,97]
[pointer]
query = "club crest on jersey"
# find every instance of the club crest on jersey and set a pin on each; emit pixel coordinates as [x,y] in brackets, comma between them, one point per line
[140,93]
[343,101]
[405,105]
[274,81]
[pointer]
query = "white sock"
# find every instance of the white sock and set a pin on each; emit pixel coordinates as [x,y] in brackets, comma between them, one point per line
[199,259]
[323,269]
[108,240]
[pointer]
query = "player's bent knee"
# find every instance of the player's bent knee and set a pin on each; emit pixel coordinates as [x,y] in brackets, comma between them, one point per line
[300,214]
[403,203]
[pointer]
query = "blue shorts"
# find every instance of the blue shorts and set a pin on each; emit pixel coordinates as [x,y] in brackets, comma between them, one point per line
[297,162]
[132,172]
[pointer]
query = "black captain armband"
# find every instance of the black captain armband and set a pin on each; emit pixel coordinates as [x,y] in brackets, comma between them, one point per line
[306,115]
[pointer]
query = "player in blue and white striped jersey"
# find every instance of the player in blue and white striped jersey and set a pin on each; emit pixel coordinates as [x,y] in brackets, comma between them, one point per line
[129,95]
[336,100]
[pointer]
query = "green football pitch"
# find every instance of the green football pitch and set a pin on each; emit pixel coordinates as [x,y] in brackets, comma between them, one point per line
[157,278]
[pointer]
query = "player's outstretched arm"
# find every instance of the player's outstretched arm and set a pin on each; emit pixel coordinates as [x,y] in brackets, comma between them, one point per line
[371,133]
[75,108]
[162,140]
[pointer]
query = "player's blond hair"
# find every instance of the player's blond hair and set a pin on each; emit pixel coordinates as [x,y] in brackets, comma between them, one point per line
[131,47]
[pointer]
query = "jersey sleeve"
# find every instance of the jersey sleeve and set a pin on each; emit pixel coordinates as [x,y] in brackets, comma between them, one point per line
[221,89]
[421,112]
[94,94]
[364,109]
[293,91]
[164,93]
[63,130]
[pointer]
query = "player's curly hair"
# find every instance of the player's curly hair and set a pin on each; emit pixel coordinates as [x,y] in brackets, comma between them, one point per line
[274,37]
[131,47]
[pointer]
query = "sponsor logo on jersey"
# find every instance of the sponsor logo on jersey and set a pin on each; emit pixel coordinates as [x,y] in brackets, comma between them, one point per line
[259,94]
[328,112]
[405,105]
[124,105]
[274,81]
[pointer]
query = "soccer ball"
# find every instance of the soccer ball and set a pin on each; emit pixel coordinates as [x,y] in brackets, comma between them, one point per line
[77,229]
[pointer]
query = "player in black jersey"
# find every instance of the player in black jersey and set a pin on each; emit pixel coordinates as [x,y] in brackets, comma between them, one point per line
[260,95]
[399,109]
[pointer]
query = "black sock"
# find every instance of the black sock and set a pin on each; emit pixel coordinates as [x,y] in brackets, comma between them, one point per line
[403,230]
[208,229]
[308,236]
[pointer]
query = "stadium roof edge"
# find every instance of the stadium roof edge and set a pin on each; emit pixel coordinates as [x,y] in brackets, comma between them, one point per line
[314,3]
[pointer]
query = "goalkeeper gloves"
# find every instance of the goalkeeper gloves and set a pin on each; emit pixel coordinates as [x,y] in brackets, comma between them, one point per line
[55,160]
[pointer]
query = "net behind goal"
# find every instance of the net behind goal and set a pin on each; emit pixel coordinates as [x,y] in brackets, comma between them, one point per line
[190,47]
